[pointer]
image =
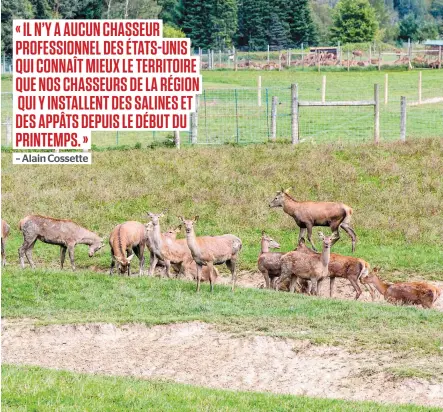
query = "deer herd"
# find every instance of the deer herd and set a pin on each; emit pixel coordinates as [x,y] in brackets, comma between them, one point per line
[302,269]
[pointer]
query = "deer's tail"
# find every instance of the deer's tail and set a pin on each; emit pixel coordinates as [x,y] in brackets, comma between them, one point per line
[347,213]
[22,222]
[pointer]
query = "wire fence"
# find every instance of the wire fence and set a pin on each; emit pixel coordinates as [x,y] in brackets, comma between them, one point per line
[244,115]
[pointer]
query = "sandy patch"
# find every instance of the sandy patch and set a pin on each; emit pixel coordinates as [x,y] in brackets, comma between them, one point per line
[196,353]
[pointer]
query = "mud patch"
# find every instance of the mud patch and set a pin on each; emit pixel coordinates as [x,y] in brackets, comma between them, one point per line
[196,353]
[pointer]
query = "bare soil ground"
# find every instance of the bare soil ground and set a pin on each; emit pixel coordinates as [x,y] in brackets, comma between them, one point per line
[197,353]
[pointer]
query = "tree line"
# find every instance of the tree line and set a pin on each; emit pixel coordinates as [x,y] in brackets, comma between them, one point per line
[251,24]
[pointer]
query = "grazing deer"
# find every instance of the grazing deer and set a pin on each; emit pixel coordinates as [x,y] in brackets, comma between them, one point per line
[127,239]
[64,233]
[416,293]
[310,214]
[297,264]
[269,263]
[5,234]
[212,250]
[346,267]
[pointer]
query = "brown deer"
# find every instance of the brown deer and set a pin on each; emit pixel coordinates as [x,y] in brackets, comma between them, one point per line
[416,293]
[127,239]
[340,266]
[300,265]
[5,234]
[62,232]
[358,53]
[269,263]
[309,214]
[212,250]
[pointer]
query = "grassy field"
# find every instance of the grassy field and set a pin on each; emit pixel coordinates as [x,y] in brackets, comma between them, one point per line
[229,112]
[395,190]
[27,388]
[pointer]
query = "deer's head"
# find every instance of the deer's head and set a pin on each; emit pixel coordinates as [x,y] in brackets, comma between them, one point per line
[123,266]
[370,277]
[96,246]
[327,240]
[188,223]
[155,218]
[272,244]
[279,199]
[173,232]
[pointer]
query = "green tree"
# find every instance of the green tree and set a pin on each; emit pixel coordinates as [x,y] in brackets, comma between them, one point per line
[13,9]
[428,30]
[301,23]
[408,28]
[197,22]
[436,9]
[171,12]
[253,23]
[42,9]
[277,35]
[354,21]
[224,22]
[172,32]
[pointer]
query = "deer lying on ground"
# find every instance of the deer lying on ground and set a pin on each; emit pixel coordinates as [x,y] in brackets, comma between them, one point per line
[310,214]
[212,250]
[126,240]
[5,234]
[301,265]
[416,293]
[64,233]
[340,266]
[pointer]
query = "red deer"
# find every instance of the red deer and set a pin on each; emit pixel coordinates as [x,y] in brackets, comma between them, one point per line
[416,293]
[347,267]
[309,214]
[358,53]
[212,250]
[5,234]
[127,239]
[269,263]
[297,264]
[64,233]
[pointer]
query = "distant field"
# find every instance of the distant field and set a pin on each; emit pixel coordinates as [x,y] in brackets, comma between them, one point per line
[229,111]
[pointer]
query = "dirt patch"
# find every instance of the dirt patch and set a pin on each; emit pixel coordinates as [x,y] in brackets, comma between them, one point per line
[196,353]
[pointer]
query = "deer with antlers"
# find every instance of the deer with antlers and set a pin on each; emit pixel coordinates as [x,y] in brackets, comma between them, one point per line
[212,250]
[415,293]
[309,214]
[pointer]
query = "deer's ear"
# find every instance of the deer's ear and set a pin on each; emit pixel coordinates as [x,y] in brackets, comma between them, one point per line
[263,233]
[321,235]
[130,258]
[178,229]
[196,218]
[287,190]
[150,214]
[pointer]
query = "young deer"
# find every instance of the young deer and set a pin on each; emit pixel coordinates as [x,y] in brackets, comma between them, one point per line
[127,239]
[310,214]
[269,263]
[416,293]
[343,267]
[62,232]
[303,265]
[212,250]
[5,234]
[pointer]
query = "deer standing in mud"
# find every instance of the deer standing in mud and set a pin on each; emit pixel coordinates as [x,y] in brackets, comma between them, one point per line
[340,266]
[300,265]
[64,233]
[269,263]
[5,233]
[212,250]
[126,240]
[309,214]
[416,293]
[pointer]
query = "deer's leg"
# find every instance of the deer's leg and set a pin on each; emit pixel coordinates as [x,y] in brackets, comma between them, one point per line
[309,229]
[314,286]
[370,290]
[292,284]
[62,255]
[231,266]
[152,263]
[302,234]
[331,286]
[211,275]
[3,252]
[356,287]
[26,250]
[168,268]
[267,280]
[71,255]
[348,229]
[138,250]
[199,275]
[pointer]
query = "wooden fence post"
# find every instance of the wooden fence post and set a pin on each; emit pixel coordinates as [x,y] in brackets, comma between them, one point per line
[348,60]
[8,131]
[294,114]
[419,87]
[323,89]
[318,60]
[439,58]
[268,54]
[370,54]
[403,119]
[302,56]
[379,61]
[235,59]
[194,122]
[177,139]
[279,60]
[274,118]
[219,58]
[386,88]
[376,114]
[259,91]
